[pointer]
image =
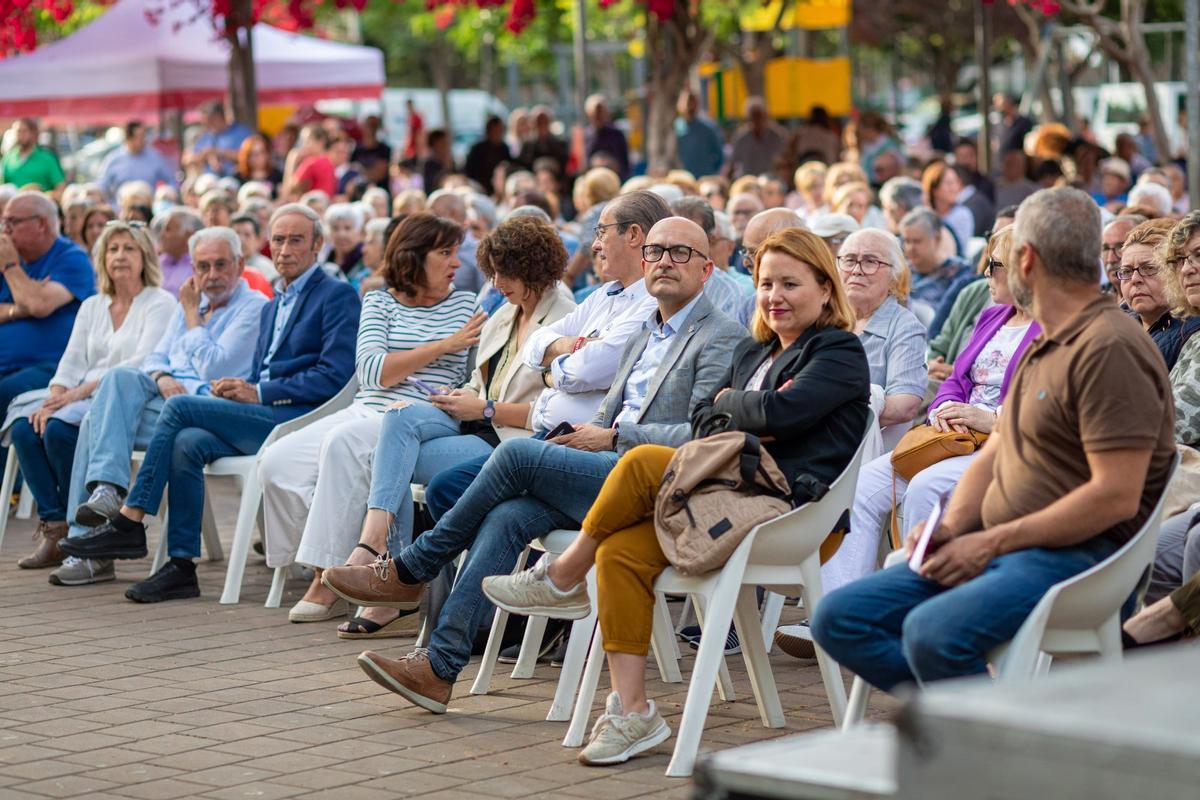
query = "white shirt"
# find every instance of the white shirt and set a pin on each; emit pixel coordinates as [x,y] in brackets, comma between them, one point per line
[609,314]
[95,348]
[638,385]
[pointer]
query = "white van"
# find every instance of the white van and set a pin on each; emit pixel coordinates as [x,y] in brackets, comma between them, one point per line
[1120,105]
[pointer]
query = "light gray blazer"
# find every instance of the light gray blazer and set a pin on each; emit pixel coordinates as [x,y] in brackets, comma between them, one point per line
[692,370]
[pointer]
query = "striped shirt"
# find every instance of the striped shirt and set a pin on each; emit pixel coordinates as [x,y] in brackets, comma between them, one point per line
[388,326]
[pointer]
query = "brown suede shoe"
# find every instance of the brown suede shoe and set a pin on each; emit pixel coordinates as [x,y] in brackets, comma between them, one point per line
[374,584]
[411,677]
[47,537]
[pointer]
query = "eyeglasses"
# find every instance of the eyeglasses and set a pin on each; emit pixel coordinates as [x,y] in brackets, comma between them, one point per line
[132,223]
[1115,249]
[680,253]
[1145,270]
[1192,260]
[602,230]
[991,266]
[12,222]
[867,265]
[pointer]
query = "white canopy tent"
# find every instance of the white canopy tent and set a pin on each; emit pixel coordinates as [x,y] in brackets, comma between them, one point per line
[143,57]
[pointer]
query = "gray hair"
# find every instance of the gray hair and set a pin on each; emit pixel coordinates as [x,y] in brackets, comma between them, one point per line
[374,191]
[640,208]
[723,227]
[188,218]
[302,210]
[344,212]
[129,189]
[698,211]
[926,219]
[253,189]
[1151,195]
[483,208]
[376,228]
[895,255]
[453,208]
[1133,220]
[902,191]
[215,234]
[42,206]
[529,211]
[1063,226]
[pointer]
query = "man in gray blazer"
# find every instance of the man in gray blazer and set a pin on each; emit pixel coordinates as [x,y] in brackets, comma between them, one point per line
[530,487]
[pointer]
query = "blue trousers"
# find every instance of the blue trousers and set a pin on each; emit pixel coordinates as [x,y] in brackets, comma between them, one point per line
[525,490]
[124,412]
[18,382]
[445,488]
[46,464]
[191,432]
[895,627]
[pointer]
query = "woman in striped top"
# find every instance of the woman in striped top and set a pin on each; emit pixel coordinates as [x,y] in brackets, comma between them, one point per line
[417,331]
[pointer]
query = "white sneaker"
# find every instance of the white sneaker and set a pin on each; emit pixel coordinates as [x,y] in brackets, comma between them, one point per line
[618,737]
[82,571]
[530,592]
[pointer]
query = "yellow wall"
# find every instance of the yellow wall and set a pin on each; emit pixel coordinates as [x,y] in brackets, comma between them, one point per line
[793,87]
[807,14]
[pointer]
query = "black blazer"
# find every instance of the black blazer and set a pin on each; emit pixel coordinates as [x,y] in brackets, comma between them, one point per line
[817,422]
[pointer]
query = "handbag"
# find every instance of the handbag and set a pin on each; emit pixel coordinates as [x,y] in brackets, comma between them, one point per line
[715,491]
[921,447]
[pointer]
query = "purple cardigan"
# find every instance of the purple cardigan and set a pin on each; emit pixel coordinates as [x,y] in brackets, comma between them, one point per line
[957,388]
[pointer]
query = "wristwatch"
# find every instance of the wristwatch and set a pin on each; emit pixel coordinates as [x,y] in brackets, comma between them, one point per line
[489,410]
[157,374]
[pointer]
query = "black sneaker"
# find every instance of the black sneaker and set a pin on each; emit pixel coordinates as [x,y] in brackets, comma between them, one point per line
[169,583]
[560,652]
[555,628]
[107,541]
[691,635]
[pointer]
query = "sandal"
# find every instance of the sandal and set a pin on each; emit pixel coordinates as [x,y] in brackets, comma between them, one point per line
[400,627]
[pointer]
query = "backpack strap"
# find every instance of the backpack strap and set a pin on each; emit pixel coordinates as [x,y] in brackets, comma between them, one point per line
[750,459]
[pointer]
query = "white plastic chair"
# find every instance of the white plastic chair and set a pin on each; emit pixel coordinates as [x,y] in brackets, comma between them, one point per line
[555,544]
[782,555]
[1078,616]
[7,482]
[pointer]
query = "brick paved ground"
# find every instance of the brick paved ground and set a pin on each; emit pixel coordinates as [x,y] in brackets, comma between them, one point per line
[104,698]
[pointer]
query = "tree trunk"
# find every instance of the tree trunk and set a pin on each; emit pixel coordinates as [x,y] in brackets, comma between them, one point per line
[752,58]
[673,48]
[1132,13]
[243,89]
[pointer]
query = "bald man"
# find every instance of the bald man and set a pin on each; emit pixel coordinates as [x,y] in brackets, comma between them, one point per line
[530,487]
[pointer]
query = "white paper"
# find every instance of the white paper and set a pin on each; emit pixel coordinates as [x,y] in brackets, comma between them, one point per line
[931,526]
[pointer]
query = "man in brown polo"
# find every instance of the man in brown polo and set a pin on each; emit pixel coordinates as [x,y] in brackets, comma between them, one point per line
[1080,456]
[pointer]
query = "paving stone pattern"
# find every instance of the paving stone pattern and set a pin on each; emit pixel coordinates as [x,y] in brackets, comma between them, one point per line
[104,698]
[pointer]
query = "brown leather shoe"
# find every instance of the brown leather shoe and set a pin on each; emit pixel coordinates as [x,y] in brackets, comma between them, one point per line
[411,677]
[47,537]
[374,584]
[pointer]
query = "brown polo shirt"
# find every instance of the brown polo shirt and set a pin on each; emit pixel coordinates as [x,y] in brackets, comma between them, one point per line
[1098,384]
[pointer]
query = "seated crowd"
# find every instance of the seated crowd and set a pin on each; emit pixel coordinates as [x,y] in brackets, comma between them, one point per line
[536,374]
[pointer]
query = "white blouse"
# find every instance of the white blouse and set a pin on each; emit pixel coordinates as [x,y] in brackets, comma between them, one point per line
[95,348]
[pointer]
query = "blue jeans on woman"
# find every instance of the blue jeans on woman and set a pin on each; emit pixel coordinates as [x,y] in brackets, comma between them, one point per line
[46,464]
[416,434]
[895,627]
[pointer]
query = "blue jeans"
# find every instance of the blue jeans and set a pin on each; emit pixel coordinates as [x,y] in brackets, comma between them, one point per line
[46,464]
[415,433]
[124,412]
[526,489]
[20,381]
[895,627]
[191,432]
[444,489]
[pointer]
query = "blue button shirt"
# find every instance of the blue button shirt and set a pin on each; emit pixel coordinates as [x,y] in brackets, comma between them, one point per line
[229,139]
[223,347]
[122,166]
[283,312]
[28,341]
[651,359]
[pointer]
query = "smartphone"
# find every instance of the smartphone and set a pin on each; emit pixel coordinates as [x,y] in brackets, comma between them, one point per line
[561,429]
[425,387]
[932,523]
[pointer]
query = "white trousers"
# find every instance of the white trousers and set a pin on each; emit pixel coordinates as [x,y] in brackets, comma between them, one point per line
[318,478]
[873,503]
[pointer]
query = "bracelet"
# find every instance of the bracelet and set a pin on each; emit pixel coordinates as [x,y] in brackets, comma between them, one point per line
[12,312]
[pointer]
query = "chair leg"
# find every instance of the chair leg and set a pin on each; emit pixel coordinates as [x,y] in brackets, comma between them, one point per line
[831,673]
[210,533]
[242,534]
[160,550]
[771,611]
[25,502]
[1109,635]
[531,643]
[719,614]
[664,644]
[587,692]
[6,488]
[856,707]
[758,665]
[275,596]
[572,669]
[483,679]
[725,683]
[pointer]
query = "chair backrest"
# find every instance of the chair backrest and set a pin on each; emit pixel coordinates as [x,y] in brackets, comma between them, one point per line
[802,529]
[341,400]
[1086,600]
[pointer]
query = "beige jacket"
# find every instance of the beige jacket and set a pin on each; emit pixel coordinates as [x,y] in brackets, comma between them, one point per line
[521,384]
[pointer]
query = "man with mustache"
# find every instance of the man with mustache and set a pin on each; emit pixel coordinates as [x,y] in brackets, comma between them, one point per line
[530,487]
[303,356]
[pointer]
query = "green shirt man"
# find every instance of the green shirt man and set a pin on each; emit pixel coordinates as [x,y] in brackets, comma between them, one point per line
[26,163]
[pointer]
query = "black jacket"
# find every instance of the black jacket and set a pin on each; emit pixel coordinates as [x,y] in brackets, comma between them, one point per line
[818,422]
